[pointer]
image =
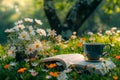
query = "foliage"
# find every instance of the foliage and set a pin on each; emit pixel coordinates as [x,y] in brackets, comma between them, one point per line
[112,6]
[15,10]
[26,39]
[2,50]
[32,68]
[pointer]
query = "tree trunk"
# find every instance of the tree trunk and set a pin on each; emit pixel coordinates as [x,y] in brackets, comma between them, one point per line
[51,14]
[77,15]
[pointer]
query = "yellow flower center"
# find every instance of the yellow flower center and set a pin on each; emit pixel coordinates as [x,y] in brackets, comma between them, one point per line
[19,28]
[31,30]
[40,32]
[30,49]
[37,45]
[23,36]
[12,52]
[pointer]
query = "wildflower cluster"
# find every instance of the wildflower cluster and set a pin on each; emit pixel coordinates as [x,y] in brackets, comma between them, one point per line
[111,36]
[27,37]
[55,70]
[27,44]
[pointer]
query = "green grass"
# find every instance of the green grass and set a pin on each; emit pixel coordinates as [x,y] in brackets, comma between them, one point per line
[55,48]
[11,73]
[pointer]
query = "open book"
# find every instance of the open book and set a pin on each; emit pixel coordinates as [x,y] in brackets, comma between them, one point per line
[98,67]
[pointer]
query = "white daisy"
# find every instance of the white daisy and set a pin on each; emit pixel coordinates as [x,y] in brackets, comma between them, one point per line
[99,34]
[73,36]
[19,22]
[74,33]
[11,52]
[13,64]
[28,20]
[51,32]
[92,39]
[3,57]
[90,33]
[30,49]
[48,77]
[113,28]
[38,21]
[108,32]
[37,45]
[34,64]
[26,60]
[19,27]
[31,30]
[9,30]
[59,38]
[45,70]
[33,72]
[41,32]
[24,35]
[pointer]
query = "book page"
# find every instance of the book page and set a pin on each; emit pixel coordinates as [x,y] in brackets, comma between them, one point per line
[65,59]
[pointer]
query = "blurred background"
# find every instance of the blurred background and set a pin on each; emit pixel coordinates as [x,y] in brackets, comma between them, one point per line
[103,18]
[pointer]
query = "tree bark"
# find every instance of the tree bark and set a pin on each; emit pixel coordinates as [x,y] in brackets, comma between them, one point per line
[51,14]
[77,15]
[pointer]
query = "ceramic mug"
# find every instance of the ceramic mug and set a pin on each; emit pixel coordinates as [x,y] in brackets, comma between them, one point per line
[94,51]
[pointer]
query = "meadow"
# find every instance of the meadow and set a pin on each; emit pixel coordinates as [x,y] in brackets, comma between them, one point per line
[28,44]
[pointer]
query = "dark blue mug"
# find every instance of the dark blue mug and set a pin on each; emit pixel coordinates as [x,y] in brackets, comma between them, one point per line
[94,51]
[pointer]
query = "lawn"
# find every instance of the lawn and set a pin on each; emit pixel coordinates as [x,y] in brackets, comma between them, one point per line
[28,44]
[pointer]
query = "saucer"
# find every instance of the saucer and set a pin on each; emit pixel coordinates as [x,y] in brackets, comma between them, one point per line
[93,60]
[101,59]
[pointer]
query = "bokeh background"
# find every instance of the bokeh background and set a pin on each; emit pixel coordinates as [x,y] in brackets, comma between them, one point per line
[103,18]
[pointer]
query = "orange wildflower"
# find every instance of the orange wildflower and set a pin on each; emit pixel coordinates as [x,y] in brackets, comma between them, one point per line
[115,77]
[52,65]
[80,44]
[84,39]
[53,51]
[46,53]
[117,57]
[54,74]
[6,66]
[21,70]
[32,59]
[73,37]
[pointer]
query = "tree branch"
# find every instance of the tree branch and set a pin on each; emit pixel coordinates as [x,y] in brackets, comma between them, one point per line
[74,19]
[79,13]
[53,19]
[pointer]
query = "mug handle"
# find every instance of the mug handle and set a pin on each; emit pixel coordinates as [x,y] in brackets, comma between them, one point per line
[105,53]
